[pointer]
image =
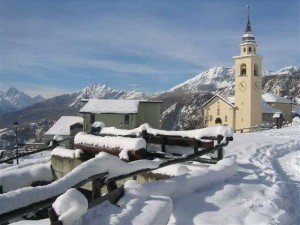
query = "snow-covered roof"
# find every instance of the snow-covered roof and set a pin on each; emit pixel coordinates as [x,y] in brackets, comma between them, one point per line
[266,108]
[62,126]
[229,99]
[111,106]
[268,97]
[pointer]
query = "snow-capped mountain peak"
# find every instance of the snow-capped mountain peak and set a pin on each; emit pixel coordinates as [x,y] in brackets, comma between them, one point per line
[102,91]
[208,80]
[13,100]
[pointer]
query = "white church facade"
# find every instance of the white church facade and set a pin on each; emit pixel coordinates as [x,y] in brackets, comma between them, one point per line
[248,108]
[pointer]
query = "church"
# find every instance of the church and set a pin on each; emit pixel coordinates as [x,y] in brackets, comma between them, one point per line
[248,108]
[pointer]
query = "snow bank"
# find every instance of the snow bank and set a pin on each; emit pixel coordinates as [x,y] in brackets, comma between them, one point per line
[67,153]
[70,206]
[152,203]
[172,170]
[296,121]
[197,134]
[14,179]
[190,182]
[136,208]
[103,162]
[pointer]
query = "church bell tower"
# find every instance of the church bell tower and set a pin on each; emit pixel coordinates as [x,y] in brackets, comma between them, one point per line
[248,82]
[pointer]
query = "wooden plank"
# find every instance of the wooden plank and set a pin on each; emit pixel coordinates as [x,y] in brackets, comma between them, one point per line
[113,197]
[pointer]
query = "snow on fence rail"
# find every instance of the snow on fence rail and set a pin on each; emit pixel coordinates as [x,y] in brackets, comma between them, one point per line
[109,169]
[196,134]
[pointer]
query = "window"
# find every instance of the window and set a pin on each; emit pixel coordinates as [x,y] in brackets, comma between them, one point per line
[255,70]
[210,118]
[126,119]
[226,118]
[218,111]
[249,49]
[243,70]
[244,49]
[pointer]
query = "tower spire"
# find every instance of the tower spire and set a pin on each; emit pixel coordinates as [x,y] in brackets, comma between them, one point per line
[248,26]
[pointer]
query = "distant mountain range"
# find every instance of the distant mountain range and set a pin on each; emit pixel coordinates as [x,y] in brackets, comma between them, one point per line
[13,100]
[180,102]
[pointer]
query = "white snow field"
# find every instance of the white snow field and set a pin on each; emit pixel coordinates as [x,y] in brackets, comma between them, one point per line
[257,183]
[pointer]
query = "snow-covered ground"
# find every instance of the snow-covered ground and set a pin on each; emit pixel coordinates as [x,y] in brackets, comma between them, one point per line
[264,188]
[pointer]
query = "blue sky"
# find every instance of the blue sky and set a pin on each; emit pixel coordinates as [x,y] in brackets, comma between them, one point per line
[51,47]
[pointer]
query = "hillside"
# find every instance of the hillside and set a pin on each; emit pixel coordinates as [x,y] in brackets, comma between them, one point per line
[178,102]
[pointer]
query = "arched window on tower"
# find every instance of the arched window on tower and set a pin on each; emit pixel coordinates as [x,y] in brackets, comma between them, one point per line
[243,70]
[255,70]
[249,49]
[244,50]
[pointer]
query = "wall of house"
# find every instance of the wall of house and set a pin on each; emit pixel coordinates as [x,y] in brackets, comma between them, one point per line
[225,110]
[149,112]
[286,109]
[111,120]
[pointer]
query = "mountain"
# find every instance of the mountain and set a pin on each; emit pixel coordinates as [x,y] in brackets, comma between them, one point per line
[210,80]
[14,100]
[102,91]
[67,104]
[182,103]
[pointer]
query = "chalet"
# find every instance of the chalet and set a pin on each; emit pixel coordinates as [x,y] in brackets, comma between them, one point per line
[66,126]
[124,114]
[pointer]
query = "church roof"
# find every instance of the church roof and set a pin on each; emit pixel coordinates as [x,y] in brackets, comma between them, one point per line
[229,99]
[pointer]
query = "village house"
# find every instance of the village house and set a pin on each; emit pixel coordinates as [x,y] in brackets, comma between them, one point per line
[124,114]
[65,127]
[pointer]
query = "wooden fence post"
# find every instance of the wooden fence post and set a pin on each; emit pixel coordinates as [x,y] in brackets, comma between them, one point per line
[196,145]
[220,151]
[112,185]
[96,188]
[53,217]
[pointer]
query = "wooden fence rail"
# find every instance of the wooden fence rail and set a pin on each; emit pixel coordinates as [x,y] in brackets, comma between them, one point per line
[115,193]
